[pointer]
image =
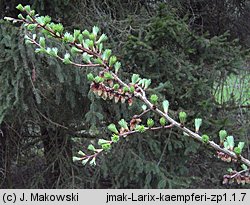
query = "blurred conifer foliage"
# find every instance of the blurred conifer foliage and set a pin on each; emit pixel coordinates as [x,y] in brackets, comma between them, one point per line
[47,111]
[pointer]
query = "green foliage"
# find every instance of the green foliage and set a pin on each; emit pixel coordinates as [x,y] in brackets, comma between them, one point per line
[163,121]
[143,157]
[205,138]
[197,124]
[150,122]
[154,99]
[182,117]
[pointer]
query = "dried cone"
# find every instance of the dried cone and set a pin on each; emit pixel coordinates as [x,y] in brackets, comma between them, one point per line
[99,92]
[247,179]
[111,95]
[110,83]
[134,122]
[238,179]
[243,180]
[117,98]
[130,101]
[123,99]
[104,95]
[123,130]
[225,180]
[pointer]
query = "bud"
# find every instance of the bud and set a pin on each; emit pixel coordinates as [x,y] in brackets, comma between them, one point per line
[106,54]
[132,89]
[163,121]
[95,30]
[123,124]
[140,128]
[205,138]
[66,59]
[42,42]
[84,162]
[102,141]
[20,7]
[150,122]
[165,105]
[230,142]
[112,60]
[144,107]
[117,66]
[76,33]
[125,89]
[106,146]
[108,76]
[112,128]
[85,33]
[197,124]
[116,86]
[222,135]
[92,37]
[153,99]
[27,8]
[76,159]
[81,153]
[182,117]
[115,138]
[98,79]
[90,77]
[74,50]
[92,162]
[102,38]
[91,147]
[31,27]
[20,16]
[135,78]
[237,150]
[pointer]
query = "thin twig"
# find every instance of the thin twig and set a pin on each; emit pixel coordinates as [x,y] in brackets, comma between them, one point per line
[49,120]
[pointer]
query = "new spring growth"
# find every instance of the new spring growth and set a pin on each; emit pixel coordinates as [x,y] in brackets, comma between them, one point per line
[197,124]
[229,144]
[144,83]
[222,135]
[81,153]
[102,38]
[144,107]
[150,122]
[108,76]
[135,78]
[106,54]
[66,59]
[153,99]
[112,60]
[117,67]
[182,117]
[91,148]
[163,121]
[205,138]
[93,162]
[140,128]
[20,7]
[132,89]
[123,124]
[116,86]
[165,105]
[106,144]
[115,138]
[90,77]
[238,150]
[113,129]
[75,159]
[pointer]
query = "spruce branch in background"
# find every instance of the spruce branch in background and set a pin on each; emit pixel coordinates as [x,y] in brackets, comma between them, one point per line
[87,50]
